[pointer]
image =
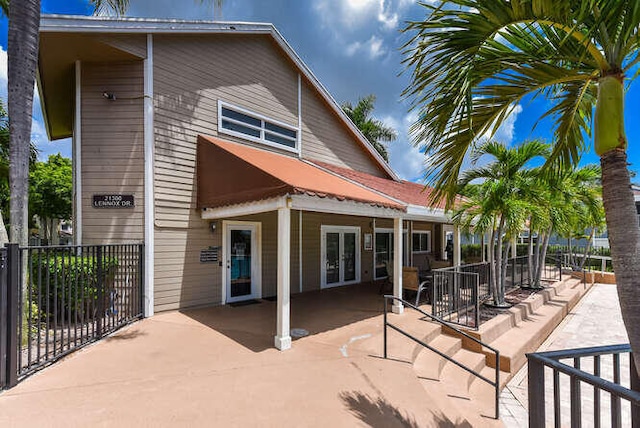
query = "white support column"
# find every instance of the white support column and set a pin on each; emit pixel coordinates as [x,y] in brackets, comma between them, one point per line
[283,337]
[514,247]
[397,264]
[77,159]
[149,141]
[482,248]
[457,256]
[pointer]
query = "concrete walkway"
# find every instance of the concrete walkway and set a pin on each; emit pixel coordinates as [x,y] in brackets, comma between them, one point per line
[595,321]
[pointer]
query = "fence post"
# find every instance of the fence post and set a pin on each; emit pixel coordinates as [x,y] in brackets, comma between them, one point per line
[3,319]
[536,391]
[141,277]
[99,291]
[13,313]
[635,386]
[559,263]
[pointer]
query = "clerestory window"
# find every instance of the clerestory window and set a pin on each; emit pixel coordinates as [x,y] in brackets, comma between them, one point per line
[251,126]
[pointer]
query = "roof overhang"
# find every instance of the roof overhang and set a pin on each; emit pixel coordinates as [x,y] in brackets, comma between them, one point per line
[231,174]
[92,25]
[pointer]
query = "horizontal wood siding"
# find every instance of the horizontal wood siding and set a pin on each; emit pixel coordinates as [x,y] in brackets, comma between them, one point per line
[112,150]
[181,280]
[191,73]
[326,138]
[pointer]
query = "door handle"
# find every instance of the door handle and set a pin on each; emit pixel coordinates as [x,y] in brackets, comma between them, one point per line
[228,264]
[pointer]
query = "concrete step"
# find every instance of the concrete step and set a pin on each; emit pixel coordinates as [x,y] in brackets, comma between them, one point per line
[429,364]
[403,348]
[458,379]
[529,335]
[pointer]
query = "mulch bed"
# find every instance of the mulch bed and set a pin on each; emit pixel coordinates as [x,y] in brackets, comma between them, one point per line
[513,298]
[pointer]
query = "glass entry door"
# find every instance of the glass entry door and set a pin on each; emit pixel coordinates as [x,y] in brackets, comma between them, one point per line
[340,255]
[242,278]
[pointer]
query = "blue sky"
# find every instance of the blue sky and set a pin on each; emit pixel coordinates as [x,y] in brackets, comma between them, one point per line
[353,47]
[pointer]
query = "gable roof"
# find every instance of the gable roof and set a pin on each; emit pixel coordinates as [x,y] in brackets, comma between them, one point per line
[104,25]
[405,191]
[260,174]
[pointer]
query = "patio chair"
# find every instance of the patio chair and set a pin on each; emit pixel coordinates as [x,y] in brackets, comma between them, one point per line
[388,282]
[410,281]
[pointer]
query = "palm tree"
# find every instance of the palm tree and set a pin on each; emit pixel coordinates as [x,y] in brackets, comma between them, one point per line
[375,131]
[22,54]
[501,202]
[472,61]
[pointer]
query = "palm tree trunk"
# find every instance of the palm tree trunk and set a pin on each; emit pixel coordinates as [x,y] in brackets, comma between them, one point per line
[503,271]
[492,263]
[24,24]
[498,299]
[587,250]
[624,237]
[530,251]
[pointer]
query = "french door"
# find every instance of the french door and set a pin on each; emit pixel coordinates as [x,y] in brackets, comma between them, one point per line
[340,255]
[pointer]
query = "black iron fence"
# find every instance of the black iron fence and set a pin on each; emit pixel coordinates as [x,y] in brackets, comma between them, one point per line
[59,299]
[579,387]
[455,297]
[552,268]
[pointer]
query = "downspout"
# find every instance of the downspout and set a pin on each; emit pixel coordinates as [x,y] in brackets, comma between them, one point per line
[148,181]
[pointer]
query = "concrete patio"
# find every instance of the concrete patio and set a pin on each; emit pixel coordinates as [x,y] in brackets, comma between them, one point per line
[217,366]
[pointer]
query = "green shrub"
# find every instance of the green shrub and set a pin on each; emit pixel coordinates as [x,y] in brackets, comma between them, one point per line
[30,324]
[69,284]
[471,251]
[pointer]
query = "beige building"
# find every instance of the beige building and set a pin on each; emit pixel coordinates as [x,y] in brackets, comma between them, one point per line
[216,146]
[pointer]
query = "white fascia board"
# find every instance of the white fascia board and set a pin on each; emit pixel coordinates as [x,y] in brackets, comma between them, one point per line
[102,24]
[92,24]
[45,116]
[244,209]
[420,213]
[345,207]
[302,203]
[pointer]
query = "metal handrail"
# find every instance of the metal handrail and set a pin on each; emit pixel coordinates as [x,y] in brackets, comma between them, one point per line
[495,384]
[551,359]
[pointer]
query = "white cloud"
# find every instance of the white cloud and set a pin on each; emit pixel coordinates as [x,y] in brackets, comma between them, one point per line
[506,131]
[405,159]
[374,48]
[346,16]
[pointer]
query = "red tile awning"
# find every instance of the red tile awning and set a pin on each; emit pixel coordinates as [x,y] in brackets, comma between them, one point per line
[405,191]
[231,173]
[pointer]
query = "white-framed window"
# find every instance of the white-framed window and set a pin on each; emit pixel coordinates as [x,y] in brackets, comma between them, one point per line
[421,241]
[242,123]
[384,251]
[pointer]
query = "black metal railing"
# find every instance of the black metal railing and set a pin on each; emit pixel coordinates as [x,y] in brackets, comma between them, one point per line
[588,374]
[518,274]
[68,297]
[455,297]
[552,268]
[495,383]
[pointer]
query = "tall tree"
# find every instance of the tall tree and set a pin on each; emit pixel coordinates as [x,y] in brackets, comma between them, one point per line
[22,55]
[375,131]
[472,61]
[50,193]
[501,202]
